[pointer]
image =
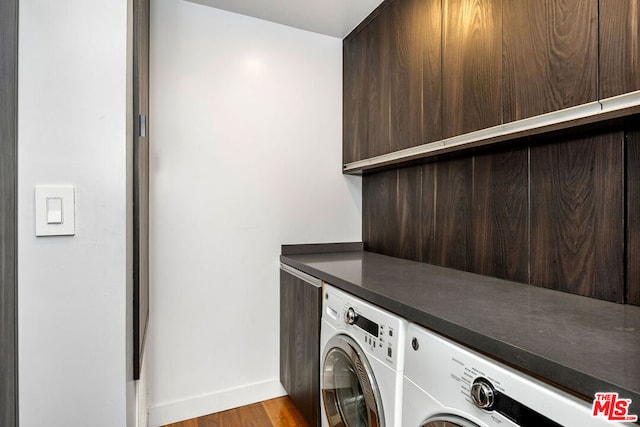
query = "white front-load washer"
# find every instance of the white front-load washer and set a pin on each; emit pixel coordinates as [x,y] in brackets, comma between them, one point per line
[447,385]
[361,358]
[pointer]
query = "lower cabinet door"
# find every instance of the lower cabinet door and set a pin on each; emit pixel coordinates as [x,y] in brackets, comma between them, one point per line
[300,309]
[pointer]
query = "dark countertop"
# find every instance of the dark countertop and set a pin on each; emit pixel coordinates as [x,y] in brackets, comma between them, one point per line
[582,344]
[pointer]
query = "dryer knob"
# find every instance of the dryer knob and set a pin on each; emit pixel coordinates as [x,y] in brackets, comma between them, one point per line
[483,394]
[415,344]
[350,316]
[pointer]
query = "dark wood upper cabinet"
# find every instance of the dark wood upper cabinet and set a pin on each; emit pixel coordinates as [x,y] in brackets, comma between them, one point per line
[377,98]
[392,81]
[366,92]
[414,78]
[430,15]
[577,216]
[550,51]
[426,70]
[471,65]
[619,47]
[355,110]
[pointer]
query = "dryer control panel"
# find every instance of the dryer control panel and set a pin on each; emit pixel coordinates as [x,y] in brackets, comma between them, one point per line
[484,390]
[377,331]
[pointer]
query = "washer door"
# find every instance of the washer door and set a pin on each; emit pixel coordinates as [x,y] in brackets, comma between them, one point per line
[349,390]
[447,421]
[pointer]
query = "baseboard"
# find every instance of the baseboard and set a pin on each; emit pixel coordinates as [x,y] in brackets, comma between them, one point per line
[215,402]
[142,419]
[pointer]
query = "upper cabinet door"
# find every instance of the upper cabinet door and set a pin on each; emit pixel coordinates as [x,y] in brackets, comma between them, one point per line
[392,81]
[471,65]
[550,55]
[366,92]
[378,57]
[414,72]
[355,108]
[619,47]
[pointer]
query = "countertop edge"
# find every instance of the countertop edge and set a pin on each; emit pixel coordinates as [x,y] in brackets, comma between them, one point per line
[320,248]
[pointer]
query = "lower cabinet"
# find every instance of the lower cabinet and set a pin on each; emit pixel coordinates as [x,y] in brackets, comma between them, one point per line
[300,310]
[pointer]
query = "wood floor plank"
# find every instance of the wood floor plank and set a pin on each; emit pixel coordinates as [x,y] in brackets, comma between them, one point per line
[279,412]
[187,423]
[208,421]
[248,416]
[283,413]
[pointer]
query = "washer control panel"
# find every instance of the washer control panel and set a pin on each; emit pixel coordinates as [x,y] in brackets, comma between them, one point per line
[478,386]
[377,331]
[483,394]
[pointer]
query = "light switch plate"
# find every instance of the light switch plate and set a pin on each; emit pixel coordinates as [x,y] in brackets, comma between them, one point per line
[53,218]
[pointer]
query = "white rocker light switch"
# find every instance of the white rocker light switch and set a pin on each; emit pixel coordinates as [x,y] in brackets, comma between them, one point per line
[55,211]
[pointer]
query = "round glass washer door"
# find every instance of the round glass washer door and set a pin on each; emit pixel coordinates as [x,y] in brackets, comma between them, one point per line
[447,421]
[349,390]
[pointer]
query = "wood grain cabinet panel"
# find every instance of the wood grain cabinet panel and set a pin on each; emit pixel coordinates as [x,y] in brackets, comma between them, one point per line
[355,111]
[430,14]
[366,92]
[300,310]
[392,81]
[414,78]
[500,217]
[391,205]
[633,217]
[452,242]
[471,65]
[619,47]
[550,54]
[428,213]
[378,88]
[577,216]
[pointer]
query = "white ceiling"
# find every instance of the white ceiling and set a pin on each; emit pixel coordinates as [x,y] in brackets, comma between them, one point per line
[334,18]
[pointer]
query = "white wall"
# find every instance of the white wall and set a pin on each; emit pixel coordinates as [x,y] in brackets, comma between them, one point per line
[73,290]
[246,138]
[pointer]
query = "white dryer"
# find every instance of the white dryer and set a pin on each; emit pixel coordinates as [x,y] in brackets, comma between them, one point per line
[361,358]
[447,385]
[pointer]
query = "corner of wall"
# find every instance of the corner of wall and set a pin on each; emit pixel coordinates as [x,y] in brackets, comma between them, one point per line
[198,406]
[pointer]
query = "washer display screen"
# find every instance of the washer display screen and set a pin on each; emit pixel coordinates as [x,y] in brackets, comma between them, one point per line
[367,325]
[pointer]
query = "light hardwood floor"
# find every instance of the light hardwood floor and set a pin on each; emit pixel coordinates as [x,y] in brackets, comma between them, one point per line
[279,412]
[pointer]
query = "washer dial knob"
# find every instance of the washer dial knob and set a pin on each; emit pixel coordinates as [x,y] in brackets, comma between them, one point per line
[483,394]
[350,316]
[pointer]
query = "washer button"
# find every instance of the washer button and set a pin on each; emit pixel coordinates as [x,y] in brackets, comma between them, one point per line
[390,332]
[389,352]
